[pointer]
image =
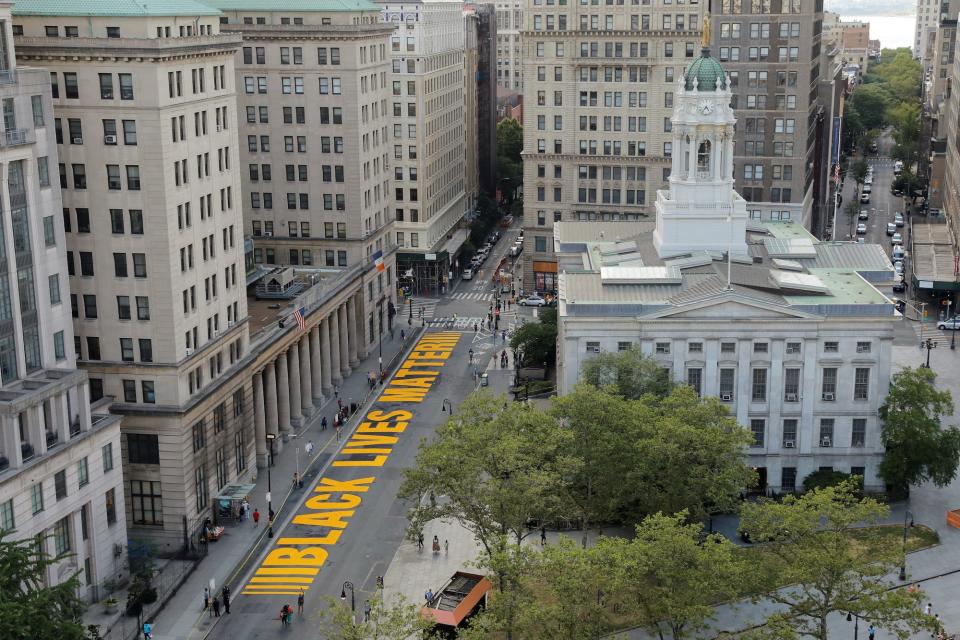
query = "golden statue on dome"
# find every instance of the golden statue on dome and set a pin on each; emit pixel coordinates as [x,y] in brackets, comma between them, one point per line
[705,42]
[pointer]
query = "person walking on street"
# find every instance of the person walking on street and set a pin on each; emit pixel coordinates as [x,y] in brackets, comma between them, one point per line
[420,541]
[366,611]
[300,602]
[428,596]
[216,607]
[309,447]
[323,424]
[446,547]
[871,632]
[928,609]
[296,480]
[206,598]
[543,536]
[226,599]
[436,545]
[256,517]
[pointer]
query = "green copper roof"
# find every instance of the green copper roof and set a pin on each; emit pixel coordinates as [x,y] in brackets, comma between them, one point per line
[706,70]
[294,6]
[113,8]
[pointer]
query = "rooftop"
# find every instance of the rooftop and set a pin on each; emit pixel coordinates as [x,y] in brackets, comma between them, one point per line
[294,6]
[112,8]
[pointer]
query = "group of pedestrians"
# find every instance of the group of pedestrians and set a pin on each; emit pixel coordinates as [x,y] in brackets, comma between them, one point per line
[216,603]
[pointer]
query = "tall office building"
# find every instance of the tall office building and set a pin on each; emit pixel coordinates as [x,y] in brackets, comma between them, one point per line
[313,97]
[509,50]
[428,137]
[60,480]
[928,17]
[599,83]
[771,49]
[145,116]
[480,98]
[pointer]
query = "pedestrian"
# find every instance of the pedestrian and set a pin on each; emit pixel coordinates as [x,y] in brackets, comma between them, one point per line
[370,379]
[339,403]
[420,541]
[503,335]
[928,609]
[226,599]
[403,335]
[256,517]
[474,327]
[871,632]
[338,432]
[323,424]
[147,631]
[309,447]
[366,611]
[428,596]
[543,536]
[436,545]
[296,480]
[216,607]
[300,601]
[446,547]
[206,598]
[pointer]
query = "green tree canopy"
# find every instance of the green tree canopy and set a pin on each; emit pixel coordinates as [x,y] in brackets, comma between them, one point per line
[535,343]
[871,102]
[395,620]
[918,447]
[628,374]
[812,547]
[30,610]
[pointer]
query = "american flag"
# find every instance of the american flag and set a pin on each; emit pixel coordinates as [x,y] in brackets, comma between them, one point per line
[301,321]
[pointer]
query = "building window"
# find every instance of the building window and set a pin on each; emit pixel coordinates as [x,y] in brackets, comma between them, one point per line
[788,479]
[861,384]
[61,536]
[107,454]
[36,497]
[695,347]
[858,434]
[83,473]
[789,434]
[695,379]
[759,393]
[60,484]
[7,521]
[829,384]
[791,384]
[760,347]
[662,347]
[199,436]
[793,348]
[143,448]
[238,402]
[826,432]
[727,377]
[200,486]
[222,474]
[111,504]
[728,347]
[831,347]
[146,501]
[863,347]
[757,428]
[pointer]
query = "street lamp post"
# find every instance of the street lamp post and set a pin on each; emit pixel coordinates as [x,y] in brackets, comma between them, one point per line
[856,623]
[380,341]
[953,344]
[447,403]
[343,596]
[929,345]
[903,567]
[270,438]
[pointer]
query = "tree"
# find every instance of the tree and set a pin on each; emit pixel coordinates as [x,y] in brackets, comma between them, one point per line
[388,621]
[871,102]
[917,447]
[859,170]
[812,548]
[535,343]
[509,162]
[28,608]
[496,466]
[628,374]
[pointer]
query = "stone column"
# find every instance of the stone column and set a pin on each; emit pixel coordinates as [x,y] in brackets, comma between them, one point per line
[283,396]
[83,406]
[259,421]
[363,347]
[325,367]
[293,362]
[352,332]
[316,377]
[60,417]
[306,383]
[344,341]
[272,411]
[335,361]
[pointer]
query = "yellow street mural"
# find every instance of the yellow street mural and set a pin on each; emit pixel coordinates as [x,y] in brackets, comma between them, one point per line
[293,563]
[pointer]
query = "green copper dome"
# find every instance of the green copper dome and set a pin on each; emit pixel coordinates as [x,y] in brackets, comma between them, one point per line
[706,70]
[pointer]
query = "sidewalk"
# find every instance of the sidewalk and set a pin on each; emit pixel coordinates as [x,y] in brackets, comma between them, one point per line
[183,615]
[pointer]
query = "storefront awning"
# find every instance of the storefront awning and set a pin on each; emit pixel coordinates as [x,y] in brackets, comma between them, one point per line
[456,241]
[544,267]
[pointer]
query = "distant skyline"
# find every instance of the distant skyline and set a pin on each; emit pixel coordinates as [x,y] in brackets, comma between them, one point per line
[857,8]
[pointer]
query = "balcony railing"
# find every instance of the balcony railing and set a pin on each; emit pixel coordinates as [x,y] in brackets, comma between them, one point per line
[17,137]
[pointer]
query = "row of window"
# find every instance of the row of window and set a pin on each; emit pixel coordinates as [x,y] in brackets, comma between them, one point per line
[124,310]
[792,387]
[114,179]
[609,22]
[294,55]
[298,229]
[331,257]
[331,201]
[293,85]
[7,516]
[328,144]
[790,347]
[759,30]
[728,7]
[827,433]
[120,264]
[110,137]
[198,78]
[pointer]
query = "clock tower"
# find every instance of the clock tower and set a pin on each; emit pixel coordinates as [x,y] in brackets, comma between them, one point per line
[700,210]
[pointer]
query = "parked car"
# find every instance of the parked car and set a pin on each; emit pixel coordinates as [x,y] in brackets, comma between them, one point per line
[864,198]
[898,268]
[467,274]
[864,214]
[533,301]
[898,219]
[900,286]
[868,179]
[861,229]
[897,253]
[897,238]
[952,324]
[891,228]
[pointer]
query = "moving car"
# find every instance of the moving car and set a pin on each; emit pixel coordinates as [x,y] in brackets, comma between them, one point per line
[864,214]
[898,219]
[864,198]
[467,274]
[891,228]
[533,301]
[861,229]
[897,238]
[867,188]
[952,324]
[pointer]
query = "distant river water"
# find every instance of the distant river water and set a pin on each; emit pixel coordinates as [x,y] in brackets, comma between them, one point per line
[891,31]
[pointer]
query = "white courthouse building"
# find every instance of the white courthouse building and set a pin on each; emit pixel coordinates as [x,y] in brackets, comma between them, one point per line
[788,331]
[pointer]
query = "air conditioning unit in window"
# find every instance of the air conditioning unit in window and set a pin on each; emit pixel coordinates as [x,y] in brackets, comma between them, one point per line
[189,351]
[106,140]
[825,442]
[77,140]
[268,234]
[230,323]
[594,349]
[726,397]
[829,397]
[790,397]
[789,444]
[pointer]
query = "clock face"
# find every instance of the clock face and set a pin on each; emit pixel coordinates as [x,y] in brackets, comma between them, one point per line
[705,108]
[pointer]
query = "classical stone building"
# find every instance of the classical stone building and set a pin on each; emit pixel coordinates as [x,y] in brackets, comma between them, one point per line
[789,332]
[60,478]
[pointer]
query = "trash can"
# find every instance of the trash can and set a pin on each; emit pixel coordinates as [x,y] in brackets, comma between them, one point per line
[483,380]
